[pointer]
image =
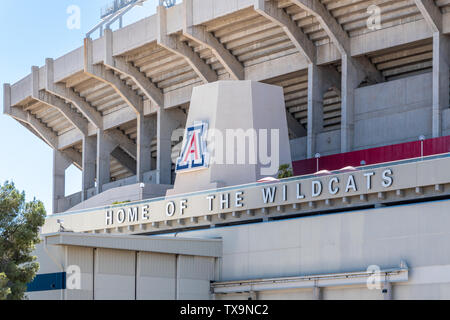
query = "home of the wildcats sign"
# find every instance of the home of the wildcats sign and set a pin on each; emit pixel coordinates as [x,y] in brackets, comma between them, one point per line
[252,197]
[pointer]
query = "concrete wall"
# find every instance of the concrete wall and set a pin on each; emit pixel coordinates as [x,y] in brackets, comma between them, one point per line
[393,112]
[388,113]
[344,243]
[109,274]
[132,192]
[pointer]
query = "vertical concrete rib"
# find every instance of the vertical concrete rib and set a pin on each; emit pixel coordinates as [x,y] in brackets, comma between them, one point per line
[60,164]
[6,98]
[104,149]
[89,155]
[441,93]
[433,16]
[146,131]
[168,121]
[180,48]
[315,107]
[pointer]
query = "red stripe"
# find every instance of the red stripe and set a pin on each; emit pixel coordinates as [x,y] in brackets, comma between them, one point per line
[373,156]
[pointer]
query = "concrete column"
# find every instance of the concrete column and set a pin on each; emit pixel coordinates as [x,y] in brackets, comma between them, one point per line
[104,148]
[60,164]
[168,121]
[352,76]
[89,170]
[315,107]
[320,79]
[165,127]
[441,75]
[6,98]
[317,293]
[387,291]
[146,130]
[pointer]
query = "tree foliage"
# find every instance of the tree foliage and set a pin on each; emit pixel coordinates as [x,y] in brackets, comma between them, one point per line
[19,233]
[285,171]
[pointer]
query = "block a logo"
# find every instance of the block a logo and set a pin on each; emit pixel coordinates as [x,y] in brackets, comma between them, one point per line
[194,154]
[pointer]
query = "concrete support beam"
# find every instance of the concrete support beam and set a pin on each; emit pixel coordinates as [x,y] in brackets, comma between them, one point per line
[441,64]
[352,76]
[168,121]
[441,92]
[294,127]
[315,107]
[354,70]
[146,131]
[69,95]
[60,164]
[89,155]
[104,148]
[124,158]
[121,65]
[65,109]
[173,44]
[320,79]
[123,141]
[337,35]
[6,98]
[270,10]
[74,156]
[207,39]
[431,13]
[101,73]
[44,132]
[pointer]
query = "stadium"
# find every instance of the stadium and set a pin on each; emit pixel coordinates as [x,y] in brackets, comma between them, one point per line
[353,94]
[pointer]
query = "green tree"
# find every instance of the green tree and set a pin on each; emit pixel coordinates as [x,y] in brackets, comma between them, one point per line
[19,233]
[285,171]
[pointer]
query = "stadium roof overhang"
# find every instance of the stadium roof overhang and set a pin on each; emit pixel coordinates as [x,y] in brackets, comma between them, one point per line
[109,82]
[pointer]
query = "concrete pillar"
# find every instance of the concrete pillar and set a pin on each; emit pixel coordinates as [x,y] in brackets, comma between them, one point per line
[352,76]
[165,127]
[89,171]
[315,107]
[6,98]
[440,80]
[387,291]
[104,148]
[320,79]
[60,164]
[146,131]
[317,293]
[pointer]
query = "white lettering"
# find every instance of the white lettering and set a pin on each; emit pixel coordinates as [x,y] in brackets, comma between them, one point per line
[269,194]
[316,189]
[170,209]
[210,200]
[239,199]
[145,212]
[121,216]
[183,206]
[109,217]
[299,192]
[369,176]
[132,214]
[387,179]
[351,184]
[331,189]
[225,201]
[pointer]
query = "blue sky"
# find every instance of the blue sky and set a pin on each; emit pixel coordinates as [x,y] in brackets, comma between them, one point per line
[31,31]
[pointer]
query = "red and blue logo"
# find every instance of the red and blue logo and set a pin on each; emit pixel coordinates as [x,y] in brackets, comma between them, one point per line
[194,154]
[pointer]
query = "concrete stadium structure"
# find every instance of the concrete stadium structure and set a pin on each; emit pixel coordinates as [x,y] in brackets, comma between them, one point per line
[111,106]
